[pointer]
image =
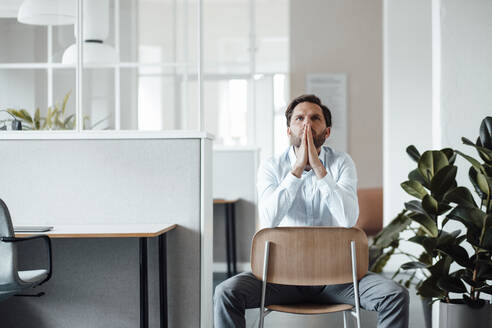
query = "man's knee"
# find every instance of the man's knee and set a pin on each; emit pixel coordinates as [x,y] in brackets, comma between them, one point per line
[396,295]
[222,292]
[227,292]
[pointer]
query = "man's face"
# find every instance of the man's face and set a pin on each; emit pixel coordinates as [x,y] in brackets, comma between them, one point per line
[303,114]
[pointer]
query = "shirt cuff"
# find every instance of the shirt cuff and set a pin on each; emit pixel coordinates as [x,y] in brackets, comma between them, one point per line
[327,184]
[291,183]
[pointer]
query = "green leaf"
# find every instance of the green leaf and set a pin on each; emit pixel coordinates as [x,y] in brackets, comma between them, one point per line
[425,258]
[428,224]
[414,188]
[457,253]
[381,261]
[451,284]
[486,290]
[476,164]
[483,184]
[443,208]
[26,115]
[428,243]
[429,288]
[431,162]
[487,237]
[416,176]
[430,204]
[445,238]
[37,119]
[413,153]
[484,268]
[414,206]
[67,120]
[450,154]
[441,268]
[486,132]
[484,153]
[472,174]
[392,231]
[467,276]
[65,100]
[413,265]
[472,218]
[472,237]
[443,181]
[461,196]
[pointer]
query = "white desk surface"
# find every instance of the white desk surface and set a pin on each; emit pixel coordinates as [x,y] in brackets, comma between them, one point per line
[104,231]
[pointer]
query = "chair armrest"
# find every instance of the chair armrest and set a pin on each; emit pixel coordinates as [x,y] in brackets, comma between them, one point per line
[46,239]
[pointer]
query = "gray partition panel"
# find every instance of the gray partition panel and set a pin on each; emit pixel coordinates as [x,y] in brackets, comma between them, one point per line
[95,281]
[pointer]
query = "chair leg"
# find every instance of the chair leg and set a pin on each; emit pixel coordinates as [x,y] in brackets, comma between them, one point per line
[345,319]
[356,283]
[263,285]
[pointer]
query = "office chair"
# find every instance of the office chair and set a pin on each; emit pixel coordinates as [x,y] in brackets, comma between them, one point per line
[13,281]
[310,256]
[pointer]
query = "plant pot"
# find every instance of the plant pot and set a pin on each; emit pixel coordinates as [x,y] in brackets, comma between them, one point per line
[461,315]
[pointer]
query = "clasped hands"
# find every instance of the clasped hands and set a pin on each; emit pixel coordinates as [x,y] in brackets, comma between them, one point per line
[307,155]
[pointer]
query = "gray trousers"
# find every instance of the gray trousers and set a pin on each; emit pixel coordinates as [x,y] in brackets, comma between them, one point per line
[377,293]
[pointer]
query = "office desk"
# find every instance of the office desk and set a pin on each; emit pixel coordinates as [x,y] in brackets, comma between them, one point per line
[141,231]
[230,232]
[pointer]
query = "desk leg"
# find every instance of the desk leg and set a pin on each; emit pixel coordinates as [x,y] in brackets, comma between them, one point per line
[228,240]
[233,237]
[144,305]
[163,280]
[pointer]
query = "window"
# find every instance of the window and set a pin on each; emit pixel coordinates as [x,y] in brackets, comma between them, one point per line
[245,67]
[139,68]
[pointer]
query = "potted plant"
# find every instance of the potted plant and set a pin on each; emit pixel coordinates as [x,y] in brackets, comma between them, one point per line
[55,118]
[439,200]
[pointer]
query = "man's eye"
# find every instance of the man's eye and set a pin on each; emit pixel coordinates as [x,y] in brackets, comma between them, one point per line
[299,118]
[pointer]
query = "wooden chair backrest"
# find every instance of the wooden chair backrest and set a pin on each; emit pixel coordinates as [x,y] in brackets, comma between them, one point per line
[370,210]
[309,256]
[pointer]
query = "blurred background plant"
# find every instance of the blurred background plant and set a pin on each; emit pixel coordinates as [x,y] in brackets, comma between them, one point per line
[55,119]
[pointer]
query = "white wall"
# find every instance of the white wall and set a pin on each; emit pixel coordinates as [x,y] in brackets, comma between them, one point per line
[407,91]
[344,36]
[466,61]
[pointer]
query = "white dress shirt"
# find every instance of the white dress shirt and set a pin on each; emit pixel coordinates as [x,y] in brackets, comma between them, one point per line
[285,200]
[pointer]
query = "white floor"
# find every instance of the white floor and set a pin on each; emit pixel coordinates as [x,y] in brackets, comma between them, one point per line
[369,319]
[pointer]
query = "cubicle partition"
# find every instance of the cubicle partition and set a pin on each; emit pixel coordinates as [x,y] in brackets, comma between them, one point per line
[110,178]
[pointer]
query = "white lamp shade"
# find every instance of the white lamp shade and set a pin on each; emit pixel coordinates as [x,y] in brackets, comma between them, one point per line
[47,12]
[94,53]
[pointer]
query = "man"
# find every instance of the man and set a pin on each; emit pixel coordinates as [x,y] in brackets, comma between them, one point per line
[309,185]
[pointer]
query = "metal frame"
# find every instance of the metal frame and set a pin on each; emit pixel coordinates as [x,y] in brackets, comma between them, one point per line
[144,297]
[263,313]
[353,254]
[47,241]
[230,231]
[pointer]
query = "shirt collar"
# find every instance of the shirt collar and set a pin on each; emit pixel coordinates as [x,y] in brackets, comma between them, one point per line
[292,156]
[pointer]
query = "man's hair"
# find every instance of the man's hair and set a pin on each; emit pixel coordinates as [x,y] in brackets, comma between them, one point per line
[311,99]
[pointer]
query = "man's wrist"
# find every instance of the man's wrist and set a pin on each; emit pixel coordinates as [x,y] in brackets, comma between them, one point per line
[320,171]
[297,172]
